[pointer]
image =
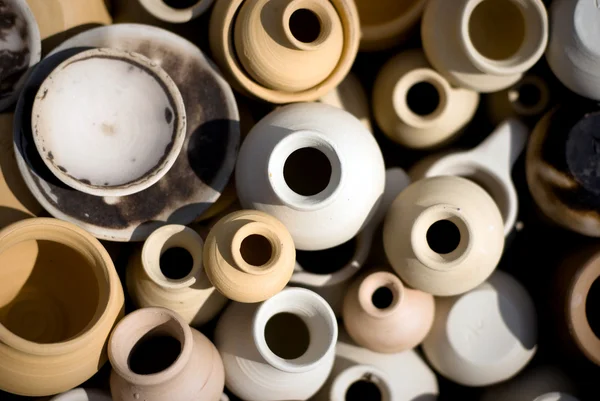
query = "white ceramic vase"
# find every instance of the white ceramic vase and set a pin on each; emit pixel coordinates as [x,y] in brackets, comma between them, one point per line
[280,349]
[315,168]
[484,336]
[82,394]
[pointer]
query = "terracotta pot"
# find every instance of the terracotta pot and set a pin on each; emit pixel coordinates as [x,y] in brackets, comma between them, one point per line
[249,256]
[383,315]
[443,235]
[324,34]
[176,11]
[527,100]
[316,169]
[485,336]
[156,356]
[60,297]
[281,349]
[484,45]
[416,107]
[350,95]
[81,394]
[168,272]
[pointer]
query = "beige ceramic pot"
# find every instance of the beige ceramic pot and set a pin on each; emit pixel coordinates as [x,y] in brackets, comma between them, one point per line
[156,356]
[528,99]
[350,95]
[176,11]
[60,297]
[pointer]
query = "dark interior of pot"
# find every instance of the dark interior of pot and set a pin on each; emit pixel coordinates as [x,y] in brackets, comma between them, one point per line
[307,171]
[256,250]
[181,4]
[591,303]
[363,390]
[327,261]
[305,25]
[443,237]
[529,95]
[378,12]
[287,335]
[176,263]
[154,353]
[382,298]
[423,98]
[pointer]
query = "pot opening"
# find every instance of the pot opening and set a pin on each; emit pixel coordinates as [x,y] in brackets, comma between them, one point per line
[591,303]
[327,261]
[287,335]
[443,237]
[307,171]
[154,353]
[176,263]
[256,250]
[423,98]
[180,4]
[382,298]
[497,29]
[363,390]
[305,25]
[528,95]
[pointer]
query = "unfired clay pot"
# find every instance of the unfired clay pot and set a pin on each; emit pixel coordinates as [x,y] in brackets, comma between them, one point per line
[156,356]
[60,297]
[350,95]
[527,100]
[176,11]
[416,107]
[383,315]
[168,272]
[249,256]
[443,235]
[82,394]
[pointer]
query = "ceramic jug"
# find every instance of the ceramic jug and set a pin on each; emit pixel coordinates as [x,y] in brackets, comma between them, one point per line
[527,100]
[59,299]
[443,235]
[249,256]
[280,349]
[156,356]
[484,336]
[484,45]
[176,11]
[350,95]
[416,107]
[168,272]
[316,169]
[83,394]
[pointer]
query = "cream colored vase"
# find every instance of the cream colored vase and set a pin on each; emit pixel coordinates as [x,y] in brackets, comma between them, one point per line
[168,272]
[176,11]
[350,95]
[82,394]
[527,100]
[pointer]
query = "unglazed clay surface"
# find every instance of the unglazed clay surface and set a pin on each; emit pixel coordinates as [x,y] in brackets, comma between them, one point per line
[161,10]
[81,394]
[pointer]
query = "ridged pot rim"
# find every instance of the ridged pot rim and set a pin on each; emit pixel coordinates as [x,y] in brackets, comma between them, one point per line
[161,10]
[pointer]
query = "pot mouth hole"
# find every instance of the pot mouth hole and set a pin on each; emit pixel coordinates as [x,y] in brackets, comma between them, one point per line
[287,335]
[591,311]
[443,237]
[327,261]
[497,29]
[154,353]
[363,390]
[305,25]
[382,298]
[528,95]
[176,263]
[180,4]
[307,171]
[256,250]
[423,98]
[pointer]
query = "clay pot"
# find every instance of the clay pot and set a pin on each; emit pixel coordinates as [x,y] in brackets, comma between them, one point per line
[361,374]
[329,272]
[281,349]
[156,356]
[484,336]
[484,45]
[527,100]
[20,48]
[386,23]
[249,256]
[176,11]
[350,95]
[489,165]
[59,299]
[416,107]
[168,272]
[246,35]
[443,235]
[81,394]
[316,169]
[383,315]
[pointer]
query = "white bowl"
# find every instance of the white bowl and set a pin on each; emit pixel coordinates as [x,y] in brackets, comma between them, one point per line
[108,122]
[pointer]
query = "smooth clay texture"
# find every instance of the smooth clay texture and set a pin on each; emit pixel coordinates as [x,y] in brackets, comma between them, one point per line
[526,100]
[82,394]
[350,95]
[179,13]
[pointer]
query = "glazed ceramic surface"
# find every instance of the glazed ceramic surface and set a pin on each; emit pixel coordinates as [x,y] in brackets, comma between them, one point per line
[350,95]
[316,169]
[281,349]
[156,356]
[198,176]
[60,297]
[81,394]
[161,9]
[528,99]
[168,272]
[416,107]
[484,45]
[108,122]
[484,336]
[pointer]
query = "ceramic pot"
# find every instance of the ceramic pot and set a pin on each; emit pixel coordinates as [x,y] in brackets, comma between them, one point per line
[554,396]
[246,35]
[484,336]
[329,272]
[573,52]
[60,298]
[81,394]
[361,374]
[489,165]
[484,45]
[249,256]
[385,24]
[281,349]
[168,272]
[156,356]
[350,95]
[176,11]
[416,107]
[443,235]
[20,48]
[383,315]
[316,169]
[16,202]
[527,100]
